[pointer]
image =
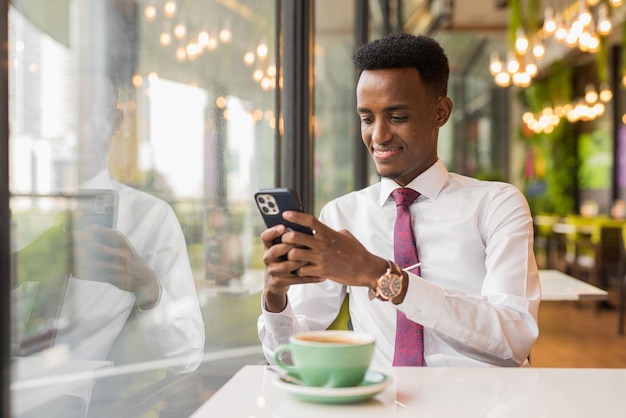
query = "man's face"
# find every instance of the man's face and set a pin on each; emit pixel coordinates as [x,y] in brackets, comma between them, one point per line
[98,120]
[400,121]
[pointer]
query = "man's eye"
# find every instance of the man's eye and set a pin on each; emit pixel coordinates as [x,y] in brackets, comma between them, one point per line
[399,118]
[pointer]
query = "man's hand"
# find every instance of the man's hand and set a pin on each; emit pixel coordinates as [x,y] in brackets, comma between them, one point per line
[280,273]
[104,254]
[331,254]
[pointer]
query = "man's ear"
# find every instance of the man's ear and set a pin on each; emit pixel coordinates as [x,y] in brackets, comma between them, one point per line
[117,120]
[444,110]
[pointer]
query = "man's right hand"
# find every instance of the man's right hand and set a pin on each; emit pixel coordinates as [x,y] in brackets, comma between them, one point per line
[280,272]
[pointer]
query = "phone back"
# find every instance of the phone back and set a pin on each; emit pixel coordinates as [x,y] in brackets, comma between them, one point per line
[274,202]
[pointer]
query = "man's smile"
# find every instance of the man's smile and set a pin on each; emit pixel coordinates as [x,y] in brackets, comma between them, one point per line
[386,153]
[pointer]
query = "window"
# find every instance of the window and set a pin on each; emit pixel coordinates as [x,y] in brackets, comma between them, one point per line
[139,133]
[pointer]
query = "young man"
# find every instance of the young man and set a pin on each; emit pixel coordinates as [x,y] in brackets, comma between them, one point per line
[477,291]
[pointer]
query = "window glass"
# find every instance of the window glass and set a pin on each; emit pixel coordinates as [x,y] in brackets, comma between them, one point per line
[139,133]
[335,101]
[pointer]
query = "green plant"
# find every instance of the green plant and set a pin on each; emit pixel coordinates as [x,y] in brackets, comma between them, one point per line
[551,181]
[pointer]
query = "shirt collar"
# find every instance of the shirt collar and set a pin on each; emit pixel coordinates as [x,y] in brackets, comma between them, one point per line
[428,184]
[102,180]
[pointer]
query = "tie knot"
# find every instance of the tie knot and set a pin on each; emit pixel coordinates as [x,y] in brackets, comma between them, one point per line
[404,196]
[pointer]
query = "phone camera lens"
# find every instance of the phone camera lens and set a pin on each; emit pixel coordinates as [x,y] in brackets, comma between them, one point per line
[261,199]
[271,204]
[265,209]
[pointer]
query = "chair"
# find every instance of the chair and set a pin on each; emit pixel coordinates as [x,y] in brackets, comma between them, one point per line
[593,249]
[575,238]
[544,235]
[342,321]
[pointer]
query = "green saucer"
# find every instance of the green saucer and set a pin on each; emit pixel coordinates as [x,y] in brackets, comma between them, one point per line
[372,384]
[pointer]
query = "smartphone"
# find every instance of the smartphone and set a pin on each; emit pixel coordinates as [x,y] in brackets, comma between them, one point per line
[274,202]
[95,207]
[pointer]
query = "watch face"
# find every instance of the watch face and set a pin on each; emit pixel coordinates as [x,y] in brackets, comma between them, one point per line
[390,286]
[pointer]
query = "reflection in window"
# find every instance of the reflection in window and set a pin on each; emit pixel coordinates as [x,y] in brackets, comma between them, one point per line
[164,291]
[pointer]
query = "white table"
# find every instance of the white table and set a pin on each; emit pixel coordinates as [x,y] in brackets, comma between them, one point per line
[438,392]
[556,285]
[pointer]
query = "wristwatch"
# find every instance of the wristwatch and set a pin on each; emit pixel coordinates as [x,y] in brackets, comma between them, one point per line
[389,284]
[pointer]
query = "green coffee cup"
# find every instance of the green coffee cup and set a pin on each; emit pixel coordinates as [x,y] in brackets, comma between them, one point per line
[327,358]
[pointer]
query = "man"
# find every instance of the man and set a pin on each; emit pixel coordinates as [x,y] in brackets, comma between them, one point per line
[129,294]
[477,291]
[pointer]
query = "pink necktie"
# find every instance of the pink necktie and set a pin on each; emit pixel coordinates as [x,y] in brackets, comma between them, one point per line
[409,349]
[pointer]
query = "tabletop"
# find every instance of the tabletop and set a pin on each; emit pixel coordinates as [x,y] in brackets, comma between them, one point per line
[556,285]
[437,392]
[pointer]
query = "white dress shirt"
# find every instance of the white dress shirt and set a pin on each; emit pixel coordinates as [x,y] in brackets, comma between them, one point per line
[478,291]
[98,311]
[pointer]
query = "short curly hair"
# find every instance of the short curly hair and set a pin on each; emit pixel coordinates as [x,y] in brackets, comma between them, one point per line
[400,50]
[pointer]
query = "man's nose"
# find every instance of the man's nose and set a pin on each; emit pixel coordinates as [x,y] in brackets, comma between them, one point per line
[381,132]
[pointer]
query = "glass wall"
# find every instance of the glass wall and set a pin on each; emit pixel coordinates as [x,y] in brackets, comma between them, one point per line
[335,101]
[139,132]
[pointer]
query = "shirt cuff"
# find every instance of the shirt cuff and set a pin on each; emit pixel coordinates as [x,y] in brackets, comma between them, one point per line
[156,302]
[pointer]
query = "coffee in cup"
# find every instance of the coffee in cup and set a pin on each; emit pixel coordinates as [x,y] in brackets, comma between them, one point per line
[327,358]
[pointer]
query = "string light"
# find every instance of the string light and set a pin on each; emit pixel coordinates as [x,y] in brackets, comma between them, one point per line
[495,65]
[579,32]
[604,23]
[165,38]
[605,92]
[169,9]
[539,51]
[150,13]
[590,94]
[549,23]
[521,42]
[191,44]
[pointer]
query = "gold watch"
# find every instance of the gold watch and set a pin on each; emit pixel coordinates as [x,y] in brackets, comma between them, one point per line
[389,284]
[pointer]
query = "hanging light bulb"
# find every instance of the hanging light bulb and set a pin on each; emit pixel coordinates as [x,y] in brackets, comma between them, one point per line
[521,42]
[165,38]
[531,69]
[248,58]
[180,31]
[584,16]
[521,79]
[181,54]
[261,51]
[225,35]
[169,8]
[539,51]
[604,22]
[203,38]
[615,3]
[503,79]
[527,117]
[561,32]
[574,33]
[150,13]
[590,94]
[592,3]
[549,23]
[594,43]
[512,64]
[212,43]
[495,65]
[605,92]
